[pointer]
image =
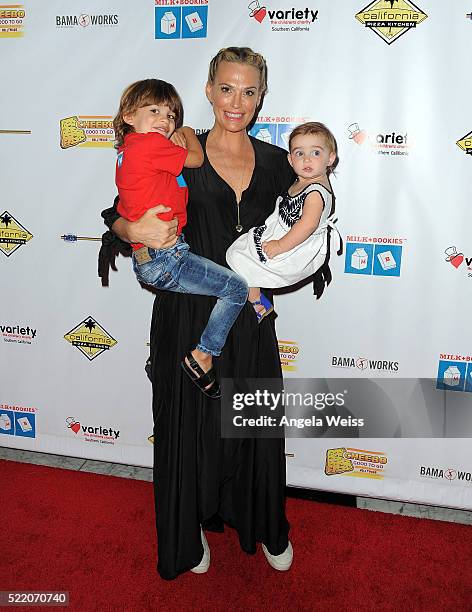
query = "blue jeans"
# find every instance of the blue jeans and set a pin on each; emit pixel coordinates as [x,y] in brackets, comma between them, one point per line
[177,269]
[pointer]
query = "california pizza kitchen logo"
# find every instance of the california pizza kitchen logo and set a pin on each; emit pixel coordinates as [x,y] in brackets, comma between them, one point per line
[93,433]
[363,363]
[284,20]
[94,131]
[465,143]
[458,260]
[90,338]
[428,471]
[382,143]
[12,234]
[390,19]
[84,20]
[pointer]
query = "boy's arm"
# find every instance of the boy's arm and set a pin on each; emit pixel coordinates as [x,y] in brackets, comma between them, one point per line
[185,137]
[306,225]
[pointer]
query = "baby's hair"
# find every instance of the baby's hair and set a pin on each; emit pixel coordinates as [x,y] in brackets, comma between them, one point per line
[315,127]
[241,55]
[145,93]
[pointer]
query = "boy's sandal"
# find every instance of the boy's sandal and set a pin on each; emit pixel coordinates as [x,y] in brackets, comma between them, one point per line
[202,379]
[268,308]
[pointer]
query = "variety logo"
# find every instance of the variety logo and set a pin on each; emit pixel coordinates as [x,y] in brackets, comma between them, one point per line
[289,353]
[428,471]
[465,143]
[12,20]
[12,234]
[276,130]
[90,338]
[85,20]
[17,333]
[284,20]
[373,255]
[362,363]
[456,259]
[454,373]
[392,143]
[93,433]
[390,19]
[355,462]
[180,19]
[87,131]
[17,421]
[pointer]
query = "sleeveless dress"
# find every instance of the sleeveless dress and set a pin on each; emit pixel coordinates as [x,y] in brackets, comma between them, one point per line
[246,257]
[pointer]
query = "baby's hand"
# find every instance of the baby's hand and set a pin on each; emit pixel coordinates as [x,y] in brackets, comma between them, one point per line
[271,248]
[179,139]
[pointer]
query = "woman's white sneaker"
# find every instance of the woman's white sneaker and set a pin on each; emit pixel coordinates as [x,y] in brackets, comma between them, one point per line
[204,564]
[280,562]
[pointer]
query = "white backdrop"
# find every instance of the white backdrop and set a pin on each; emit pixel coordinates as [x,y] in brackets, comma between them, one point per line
[392,84]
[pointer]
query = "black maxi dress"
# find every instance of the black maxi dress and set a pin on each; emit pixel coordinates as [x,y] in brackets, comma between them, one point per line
[200,478]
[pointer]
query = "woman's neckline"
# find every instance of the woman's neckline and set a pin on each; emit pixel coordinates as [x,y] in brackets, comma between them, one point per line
[220,178]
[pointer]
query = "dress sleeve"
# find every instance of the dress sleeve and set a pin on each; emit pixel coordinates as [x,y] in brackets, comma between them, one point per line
[165,155]
[110,215]
[111,246]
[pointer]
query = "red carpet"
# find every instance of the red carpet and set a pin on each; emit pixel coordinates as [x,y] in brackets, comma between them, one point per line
[94,536]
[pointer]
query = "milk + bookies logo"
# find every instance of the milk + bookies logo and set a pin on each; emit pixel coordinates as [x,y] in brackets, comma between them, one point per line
[17,421]
[372,255]
[284,20]
[90,338]
[454,373]
[12,234]
[276,129]
[180,19]
[390,19]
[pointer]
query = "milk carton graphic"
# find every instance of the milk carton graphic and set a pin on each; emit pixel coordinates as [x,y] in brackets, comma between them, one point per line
[452,376]
[194,22]
[168,23]
[359,259]
[5,421]
[387,260]
[264,135]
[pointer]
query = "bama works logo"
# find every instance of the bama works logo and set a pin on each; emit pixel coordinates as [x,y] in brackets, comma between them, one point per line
[355,462]
[362,363]
[12,234]
[84,20]
[454,373]
[450,474]
[180,19]
[284,20]
[94,131]
[373,255]
[390,19]
[90,338]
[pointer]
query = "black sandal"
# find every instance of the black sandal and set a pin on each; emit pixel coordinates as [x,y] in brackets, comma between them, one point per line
[203,379]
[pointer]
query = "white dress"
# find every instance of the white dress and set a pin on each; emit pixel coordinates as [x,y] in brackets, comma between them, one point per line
[246,257]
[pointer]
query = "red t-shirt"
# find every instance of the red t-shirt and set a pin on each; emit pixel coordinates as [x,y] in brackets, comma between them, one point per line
[147,168]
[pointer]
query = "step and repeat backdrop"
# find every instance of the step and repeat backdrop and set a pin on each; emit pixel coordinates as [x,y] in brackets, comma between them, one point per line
[391,80]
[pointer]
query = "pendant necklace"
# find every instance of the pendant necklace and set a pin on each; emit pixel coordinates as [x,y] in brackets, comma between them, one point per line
[239,228]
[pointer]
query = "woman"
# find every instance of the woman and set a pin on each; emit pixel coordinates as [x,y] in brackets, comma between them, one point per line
[200,478]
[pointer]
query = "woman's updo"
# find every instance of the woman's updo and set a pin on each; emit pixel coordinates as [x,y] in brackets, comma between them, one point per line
[241,55]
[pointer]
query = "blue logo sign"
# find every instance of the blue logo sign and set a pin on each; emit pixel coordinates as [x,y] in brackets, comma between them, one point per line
[376,259]
[17,423]
[454,376]
[180,22]
[273,133]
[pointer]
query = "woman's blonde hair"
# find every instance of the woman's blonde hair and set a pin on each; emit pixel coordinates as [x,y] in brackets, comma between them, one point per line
[315,127]
[144,93]
[241,55]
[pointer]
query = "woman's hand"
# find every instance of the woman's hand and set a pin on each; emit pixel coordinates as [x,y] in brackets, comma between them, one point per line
[271,248]
[148,229]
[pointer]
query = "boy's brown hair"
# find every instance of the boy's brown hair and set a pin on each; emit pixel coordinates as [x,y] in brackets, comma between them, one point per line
[315,127]
[144,93]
